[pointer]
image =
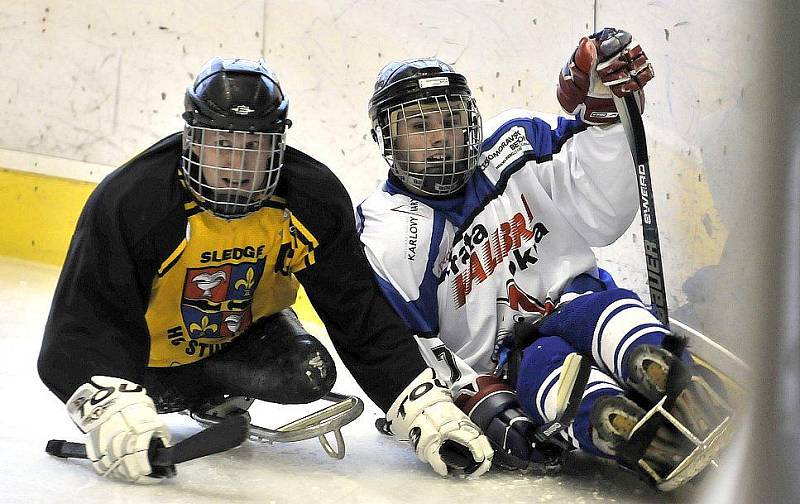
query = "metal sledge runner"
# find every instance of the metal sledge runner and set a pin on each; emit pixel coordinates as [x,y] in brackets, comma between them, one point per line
[332,418]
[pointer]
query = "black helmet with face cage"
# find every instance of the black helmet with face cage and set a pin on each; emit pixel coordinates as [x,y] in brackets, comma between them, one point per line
[437,99]
[234,138]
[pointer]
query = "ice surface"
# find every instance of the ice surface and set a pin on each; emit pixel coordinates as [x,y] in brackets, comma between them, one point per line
[377,469]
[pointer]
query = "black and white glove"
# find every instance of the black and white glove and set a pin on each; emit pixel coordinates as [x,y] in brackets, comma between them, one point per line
[609,61]
[120,421]
[425,414]
[496,410]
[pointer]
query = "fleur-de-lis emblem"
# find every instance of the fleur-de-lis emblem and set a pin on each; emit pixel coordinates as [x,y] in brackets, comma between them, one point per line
[206,281]
[246,282]
[203,327]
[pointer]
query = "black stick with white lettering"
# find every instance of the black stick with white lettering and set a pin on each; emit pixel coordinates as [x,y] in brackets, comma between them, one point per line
[220,437]
[634,129]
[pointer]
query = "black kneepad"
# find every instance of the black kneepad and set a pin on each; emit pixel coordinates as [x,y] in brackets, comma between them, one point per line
[315,364]
[307,365]
[276,360]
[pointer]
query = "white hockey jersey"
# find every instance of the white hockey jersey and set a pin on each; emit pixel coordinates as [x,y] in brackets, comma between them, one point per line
[460,271]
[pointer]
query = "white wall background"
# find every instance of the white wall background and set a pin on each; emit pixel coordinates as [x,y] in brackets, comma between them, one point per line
[99,80]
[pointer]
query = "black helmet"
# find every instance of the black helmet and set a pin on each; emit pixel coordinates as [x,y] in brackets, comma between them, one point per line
[236,95]
[234,137]
[437,158]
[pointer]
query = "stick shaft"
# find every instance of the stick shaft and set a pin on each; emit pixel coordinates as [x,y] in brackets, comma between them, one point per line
[634,129]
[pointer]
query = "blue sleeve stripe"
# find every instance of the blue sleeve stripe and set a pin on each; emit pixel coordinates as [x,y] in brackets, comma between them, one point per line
[545,142]
[422,314]
[430,283]
[566,129]
[410,312]
[359,220]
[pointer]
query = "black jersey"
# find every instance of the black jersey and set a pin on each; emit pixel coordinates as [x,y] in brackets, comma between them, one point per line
[151,279]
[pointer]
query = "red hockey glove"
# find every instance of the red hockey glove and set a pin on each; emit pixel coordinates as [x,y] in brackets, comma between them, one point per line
[609,61]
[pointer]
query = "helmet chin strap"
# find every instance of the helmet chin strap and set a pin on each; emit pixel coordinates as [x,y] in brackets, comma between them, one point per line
[232,204]
[449,182]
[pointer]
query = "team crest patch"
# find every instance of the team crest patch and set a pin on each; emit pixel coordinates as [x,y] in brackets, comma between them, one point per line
[216,302]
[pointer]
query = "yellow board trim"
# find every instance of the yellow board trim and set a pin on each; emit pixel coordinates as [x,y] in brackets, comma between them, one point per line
[39,216]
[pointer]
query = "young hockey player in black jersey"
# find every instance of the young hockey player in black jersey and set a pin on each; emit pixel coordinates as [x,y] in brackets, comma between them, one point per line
[176,289]
[483,228]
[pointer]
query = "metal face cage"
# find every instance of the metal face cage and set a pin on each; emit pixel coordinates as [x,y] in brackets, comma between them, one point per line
[231,173]
[432,144]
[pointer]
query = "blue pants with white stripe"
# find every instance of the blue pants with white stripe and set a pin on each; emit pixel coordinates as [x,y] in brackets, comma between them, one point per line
[606,326]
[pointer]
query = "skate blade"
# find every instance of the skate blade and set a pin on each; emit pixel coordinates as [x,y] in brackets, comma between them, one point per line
[700,408]
[704,454]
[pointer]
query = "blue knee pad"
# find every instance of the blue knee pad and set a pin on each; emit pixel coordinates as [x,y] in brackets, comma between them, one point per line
[577,321]
[536,380]
[538,362]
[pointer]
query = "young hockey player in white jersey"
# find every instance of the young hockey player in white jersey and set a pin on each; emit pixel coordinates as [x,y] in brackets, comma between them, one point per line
[481,229]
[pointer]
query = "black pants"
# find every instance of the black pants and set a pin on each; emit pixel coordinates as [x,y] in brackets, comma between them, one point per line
[276,360]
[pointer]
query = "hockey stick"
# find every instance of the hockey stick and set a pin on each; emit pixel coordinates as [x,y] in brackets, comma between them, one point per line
[631,119]
[634,130]
[220,437]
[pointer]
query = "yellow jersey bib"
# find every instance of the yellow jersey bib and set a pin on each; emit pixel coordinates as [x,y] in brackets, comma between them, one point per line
[221,277]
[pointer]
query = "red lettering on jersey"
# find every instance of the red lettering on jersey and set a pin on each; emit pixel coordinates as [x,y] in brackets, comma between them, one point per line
[489,259]
[484,259]
[519,231]
[460,290]
[507,237]
[527,208]
[476,271]
[519,300]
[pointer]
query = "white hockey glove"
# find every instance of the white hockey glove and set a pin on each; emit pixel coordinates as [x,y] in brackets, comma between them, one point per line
[425,414]
[119,420]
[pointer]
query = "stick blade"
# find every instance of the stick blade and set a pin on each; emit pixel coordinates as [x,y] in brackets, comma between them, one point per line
[223,436]
[65,449]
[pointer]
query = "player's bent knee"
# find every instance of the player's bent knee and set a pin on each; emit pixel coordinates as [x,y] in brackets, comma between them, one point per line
[315,369]
[277,361]
[536,372]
